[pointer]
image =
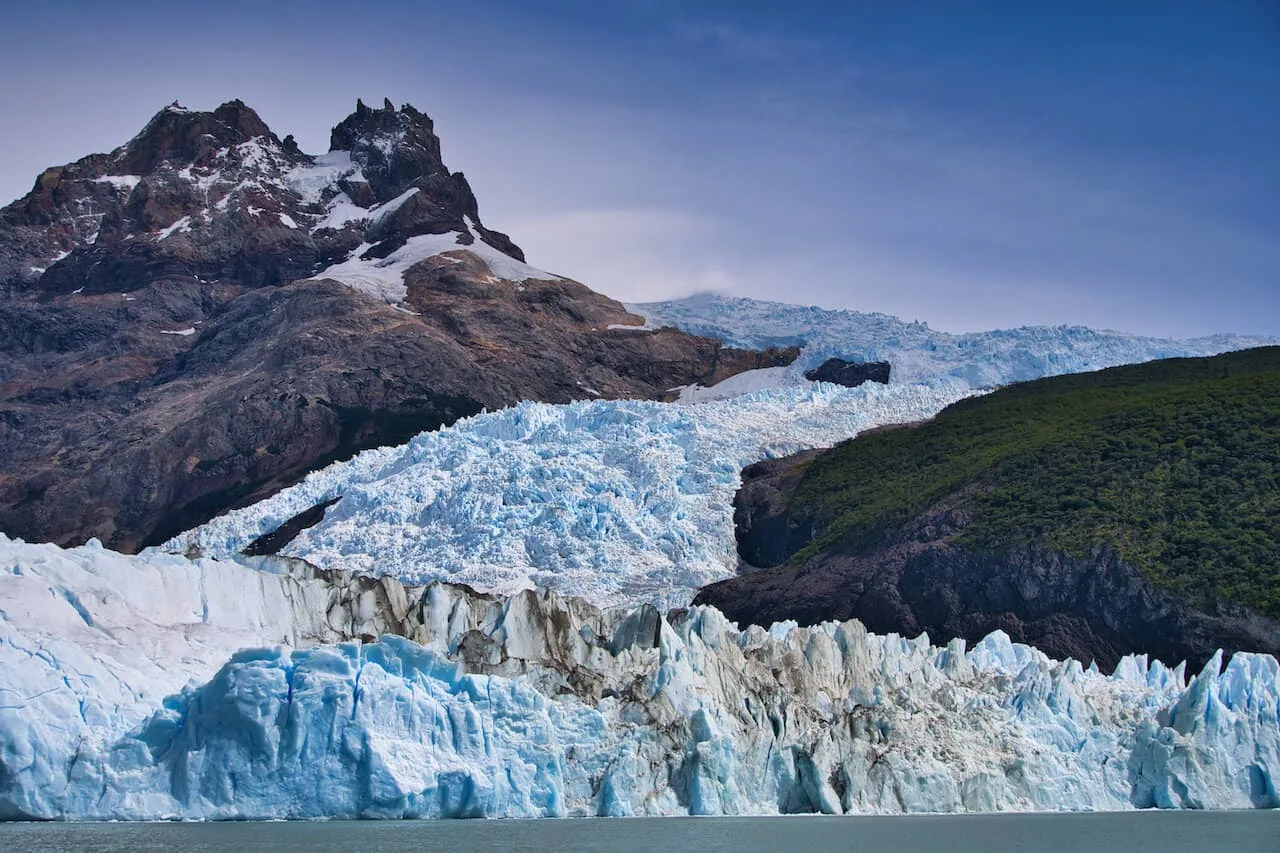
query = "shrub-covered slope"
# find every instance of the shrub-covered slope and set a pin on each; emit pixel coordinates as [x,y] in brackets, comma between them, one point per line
[1171,469]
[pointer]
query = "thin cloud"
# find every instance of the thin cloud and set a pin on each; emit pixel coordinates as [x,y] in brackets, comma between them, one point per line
[633,254]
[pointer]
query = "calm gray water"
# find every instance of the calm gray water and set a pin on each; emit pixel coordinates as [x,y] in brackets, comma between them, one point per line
[1239,832]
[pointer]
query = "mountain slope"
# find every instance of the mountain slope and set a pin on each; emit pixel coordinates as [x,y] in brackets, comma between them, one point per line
[1095,514]
[203,315]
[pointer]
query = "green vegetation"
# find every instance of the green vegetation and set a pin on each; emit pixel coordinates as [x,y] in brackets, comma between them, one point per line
[1174,464]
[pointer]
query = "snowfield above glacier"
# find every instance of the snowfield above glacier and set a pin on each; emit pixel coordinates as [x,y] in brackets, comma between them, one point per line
[615,501]
[917,352]
[120,699]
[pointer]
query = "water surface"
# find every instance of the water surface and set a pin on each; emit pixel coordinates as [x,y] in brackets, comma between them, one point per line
[1167,832]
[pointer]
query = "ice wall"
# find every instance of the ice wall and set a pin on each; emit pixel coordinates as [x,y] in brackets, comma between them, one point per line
[540,705]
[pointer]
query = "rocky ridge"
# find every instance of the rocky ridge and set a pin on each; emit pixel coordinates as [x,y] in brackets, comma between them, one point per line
[198,318]
[850,373]
[1094,608]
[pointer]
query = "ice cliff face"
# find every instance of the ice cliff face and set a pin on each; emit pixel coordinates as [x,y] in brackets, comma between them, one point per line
[918,353]
[616,501]
[538,705]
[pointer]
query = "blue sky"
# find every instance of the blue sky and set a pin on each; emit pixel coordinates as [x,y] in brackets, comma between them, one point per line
[971,164]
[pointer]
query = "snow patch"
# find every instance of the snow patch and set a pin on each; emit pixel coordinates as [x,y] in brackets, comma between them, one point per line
[310,181]
[187,332]
[182,226]
[747,382]
[125,183]
[340,211]
[384,278]
[381,211]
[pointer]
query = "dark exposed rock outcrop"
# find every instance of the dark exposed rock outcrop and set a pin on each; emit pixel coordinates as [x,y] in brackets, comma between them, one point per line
[167,351]
[1094,607]
[850,373]
[766,533]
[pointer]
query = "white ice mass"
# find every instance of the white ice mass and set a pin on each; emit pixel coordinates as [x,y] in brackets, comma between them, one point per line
[116,704]
[917,352]
[383,278]
[615,501]
[160,686]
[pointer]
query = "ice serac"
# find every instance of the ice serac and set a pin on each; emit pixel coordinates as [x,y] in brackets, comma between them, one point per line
[539,705]
[620,502]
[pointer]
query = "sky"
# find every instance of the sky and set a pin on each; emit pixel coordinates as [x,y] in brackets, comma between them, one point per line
[970,164]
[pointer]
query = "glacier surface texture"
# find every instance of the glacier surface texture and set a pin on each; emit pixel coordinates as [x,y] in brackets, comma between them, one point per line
[121,698]
[615,501]
[626,502]
[917,352]
[199,683]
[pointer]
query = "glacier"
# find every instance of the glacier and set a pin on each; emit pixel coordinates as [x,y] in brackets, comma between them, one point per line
[615,501]
[157,687]
[626,502]
[917,352]
[490,622]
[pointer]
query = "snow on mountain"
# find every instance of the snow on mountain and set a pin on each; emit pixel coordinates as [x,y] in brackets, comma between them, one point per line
[113,705]
[319,178]
[615,501]
[383,278]
[918,353]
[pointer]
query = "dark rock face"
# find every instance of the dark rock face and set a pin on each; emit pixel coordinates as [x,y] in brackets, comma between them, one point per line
[1094,608]
[398,151]
[271,543]
[767,535]
[164,355]
[186,137]
[850,373]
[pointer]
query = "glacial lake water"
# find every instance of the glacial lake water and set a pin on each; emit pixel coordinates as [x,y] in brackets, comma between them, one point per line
[1201,832]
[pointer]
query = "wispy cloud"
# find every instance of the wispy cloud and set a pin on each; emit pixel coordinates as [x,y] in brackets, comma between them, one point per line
[633,254]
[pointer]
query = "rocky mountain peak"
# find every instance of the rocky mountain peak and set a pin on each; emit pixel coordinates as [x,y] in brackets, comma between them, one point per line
[184,137]
[218,196]
[394,148]
[206,313]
